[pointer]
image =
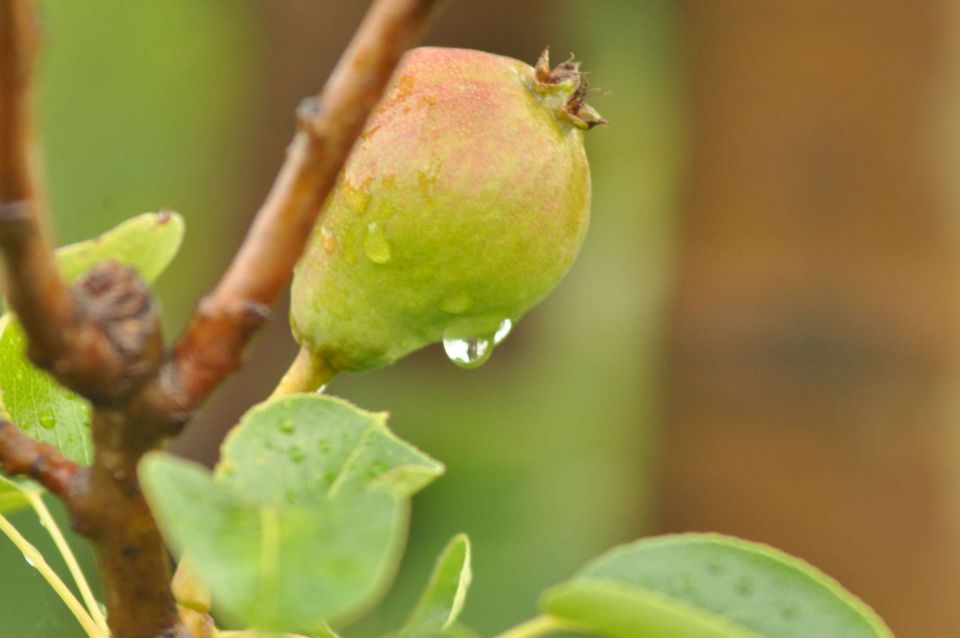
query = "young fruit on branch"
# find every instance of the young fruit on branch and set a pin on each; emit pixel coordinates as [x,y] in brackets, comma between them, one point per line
[464,202]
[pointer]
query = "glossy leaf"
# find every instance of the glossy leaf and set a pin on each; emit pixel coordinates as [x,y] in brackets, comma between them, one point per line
[282,568]
[706,585]
[443,599]
[299,448]
[31,397]
[37,403]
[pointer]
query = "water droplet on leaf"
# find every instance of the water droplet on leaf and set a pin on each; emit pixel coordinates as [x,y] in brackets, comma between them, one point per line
[296,454]
[788,612]
[686,585]
[29,561]
[375,245]
[502,331]
[47,421]
[286,426]
[468,353]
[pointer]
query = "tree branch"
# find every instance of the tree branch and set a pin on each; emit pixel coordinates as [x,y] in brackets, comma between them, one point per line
[20,455]
[213,343]
[34,285]
[63,337]
[102,339]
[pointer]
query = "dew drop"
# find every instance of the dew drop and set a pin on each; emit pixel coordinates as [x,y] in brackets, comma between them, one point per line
[686,585]
[377,469]
[321,389]
[286,426]
[29,561]
[47,420]
[503,331]
[296,454]
[468,353]
[375,245]
[788,612]
[457,303]
[357,197]
[327,236]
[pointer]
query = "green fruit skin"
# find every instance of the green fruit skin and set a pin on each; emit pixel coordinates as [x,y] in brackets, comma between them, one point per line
[464,202]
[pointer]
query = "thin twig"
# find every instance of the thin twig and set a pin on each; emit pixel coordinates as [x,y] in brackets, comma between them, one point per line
[20,455]
[213,343]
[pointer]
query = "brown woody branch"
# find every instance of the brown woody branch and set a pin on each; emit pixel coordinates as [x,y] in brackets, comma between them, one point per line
[101,337]
[20,455]
[63,337]
[213,343]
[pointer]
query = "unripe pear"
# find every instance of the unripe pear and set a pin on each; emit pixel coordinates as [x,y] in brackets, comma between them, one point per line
[463,204]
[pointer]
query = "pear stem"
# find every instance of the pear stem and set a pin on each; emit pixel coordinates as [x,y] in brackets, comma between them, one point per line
[307,373]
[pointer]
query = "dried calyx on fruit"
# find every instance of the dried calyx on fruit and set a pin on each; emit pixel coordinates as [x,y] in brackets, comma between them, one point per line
[462,205]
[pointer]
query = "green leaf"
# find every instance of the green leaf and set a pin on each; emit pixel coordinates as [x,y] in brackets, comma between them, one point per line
[278,567]
[325,632]
[707,585]
[147,243]
[33,400]
[442,601]
[36,403]
[299,448]
[11,496]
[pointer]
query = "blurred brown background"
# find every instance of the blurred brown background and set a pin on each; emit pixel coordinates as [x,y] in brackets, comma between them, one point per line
[762,334]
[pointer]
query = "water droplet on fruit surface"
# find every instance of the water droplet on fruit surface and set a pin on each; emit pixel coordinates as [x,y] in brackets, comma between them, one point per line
[375,245]
[357,197]
[456,303]
[328,242]
[286,426]
[47,421]
[468,353]
[503,331]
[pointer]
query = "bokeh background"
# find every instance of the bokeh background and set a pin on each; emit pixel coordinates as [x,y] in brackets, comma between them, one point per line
[762,333]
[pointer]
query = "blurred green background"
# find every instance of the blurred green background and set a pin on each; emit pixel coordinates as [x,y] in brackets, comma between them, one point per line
[761,335]
[187,105]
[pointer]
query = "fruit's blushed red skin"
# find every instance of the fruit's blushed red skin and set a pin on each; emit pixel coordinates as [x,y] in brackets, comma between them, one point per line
[463,204]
